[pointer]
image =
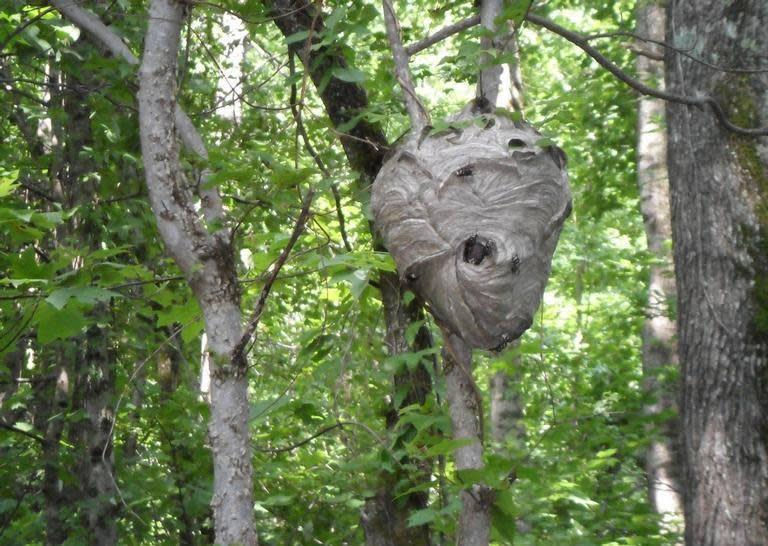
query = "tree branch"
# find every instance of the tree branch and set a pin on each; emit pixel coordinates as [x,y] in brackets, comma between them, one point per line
[700,101]
[665,45]
[582,42]
[19,29]
[416,112]
[88,22]
[489,78]
[239,352]
[442,34]
[312,152]
[26,433]
[291,447]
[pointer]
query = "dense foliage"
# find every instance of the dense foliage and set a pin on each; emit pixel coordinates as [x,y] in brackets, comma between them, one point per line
[79,255]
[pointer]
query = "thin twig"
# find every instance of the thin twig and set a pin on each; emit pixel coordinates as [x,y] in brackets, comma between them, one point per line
[26,433]
[300,443]
[416,111]
[681,51]
[318,160]
[442,34]
[700,101]
[239,352]
[582,42]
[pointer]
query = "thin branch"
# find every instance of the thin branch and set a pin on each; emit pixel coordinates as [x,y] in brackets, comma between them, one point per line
[87,21]
[18,30]
[14,428]
[700,101]
[340,216]
[312,152]
[416,111]
[490,74]
[239,352]
[681,51]
[582,42]
[442,34]
[37,191]
[305,441]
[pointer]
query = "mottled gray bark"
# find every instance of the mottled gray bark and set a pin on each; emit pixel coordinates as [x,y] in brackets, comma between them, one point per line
[489,81]
[659,335]
[207,261]
[466,409]
[719,196]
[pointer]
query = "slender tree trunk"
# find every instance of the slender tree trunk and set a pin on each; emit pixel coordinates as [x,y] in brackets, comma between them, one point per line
[466,409]
[207,261]
[51,398]
[662,463]
[385,516]
[719,195]
[93,364]
[93,394]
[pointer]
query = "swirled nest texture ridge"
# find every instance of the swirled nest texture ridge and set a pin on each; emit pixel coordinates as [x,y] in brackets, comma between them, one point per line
[472,216]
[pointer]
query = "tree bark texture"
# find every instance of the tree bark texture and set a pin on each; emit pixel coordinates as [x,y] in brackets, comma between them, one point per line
[465,406]
[659,335]
[719,196]
[207,261]
[385,516]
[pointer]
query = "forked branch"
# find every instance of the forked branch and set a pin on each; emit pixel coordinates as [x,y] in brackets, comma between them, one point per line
[582,42]
[416,111]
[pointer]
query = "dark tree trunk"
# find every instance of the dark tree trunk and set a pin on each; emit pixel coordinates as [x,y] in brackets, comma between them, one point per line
[719,194]
[662,464]
[52,398]
[384,516]
[92,365]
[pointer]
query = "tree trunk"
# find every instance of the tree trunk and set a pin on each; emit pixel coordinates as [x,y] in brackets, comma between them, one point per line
[659,336]
[385,516]
[719,195]
[93,394]
[466,411]
[208,263]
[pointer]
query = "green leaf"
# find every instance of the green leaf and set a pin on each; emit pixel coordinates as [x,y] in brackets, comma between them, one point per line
[89,295]
[53,323]
[412,330]
[504,525]
[606,453]
[352,75]
[336,15]
[8,182]
[449,446]
[278,500]
[23,426]
[505,502]
[544,142]
[421,517]
[297,37]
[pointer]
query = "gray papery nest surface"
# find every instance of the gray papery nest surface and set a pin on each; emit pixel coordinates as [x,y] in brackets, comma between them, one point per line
[472,216]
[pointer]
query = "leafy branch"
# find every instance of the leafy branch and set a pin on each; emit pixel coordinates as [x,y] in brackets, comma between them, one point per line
[582,42]
[239,352]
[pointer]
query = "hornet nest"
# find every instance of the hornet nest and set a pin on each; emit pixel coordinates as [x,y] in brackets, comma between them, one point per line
[472,216]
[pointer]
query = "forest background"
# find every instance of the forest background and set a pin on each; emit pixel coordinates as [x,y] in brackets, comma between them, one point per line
[204,344]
